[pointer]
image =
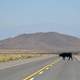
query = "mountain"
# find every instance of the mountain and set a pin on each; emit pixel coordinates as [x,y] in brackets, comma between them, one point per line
[42,42]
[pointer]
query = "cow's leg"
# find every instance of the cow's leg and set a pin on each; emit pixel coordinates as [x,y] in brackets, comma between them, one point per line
[69,57]
[63,58]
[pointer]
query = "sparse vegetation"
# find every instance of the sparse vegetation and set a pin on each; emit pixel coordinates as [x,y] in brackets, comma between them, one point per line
[12,57]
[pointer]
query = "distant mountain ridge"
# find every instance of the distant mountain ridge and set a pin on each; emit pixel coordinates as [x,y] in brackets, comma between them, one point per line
[45,42]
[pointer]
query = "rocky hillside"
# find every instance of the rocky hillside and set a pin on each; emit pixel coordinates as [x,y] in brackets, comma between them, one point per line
[47,42]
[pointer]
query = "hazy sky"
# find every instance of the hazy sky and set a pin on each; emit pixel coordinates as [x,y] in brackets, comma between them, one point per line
[27,16]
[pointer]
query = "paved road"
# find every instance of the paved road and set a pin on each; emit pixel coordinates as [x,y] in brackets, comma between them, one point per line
[62,71]
[20,71]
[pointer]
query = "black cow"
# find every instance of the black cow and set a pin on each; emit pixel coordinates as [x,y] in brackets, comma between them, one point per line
[65,55]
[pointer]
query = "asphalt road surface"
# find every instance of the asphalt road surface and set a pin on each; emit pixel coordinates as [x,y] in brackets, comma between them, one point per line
[20,71]
[62,71]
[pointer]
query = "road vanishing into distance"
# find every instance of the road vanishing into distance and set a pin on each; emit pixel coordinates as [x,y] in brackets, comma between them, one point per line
[53,68]
[19,72]
[62,71]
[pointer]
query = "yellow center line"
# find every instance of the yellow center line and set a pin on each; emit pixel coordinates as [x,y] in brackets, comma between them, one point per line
[32,79]
[47,68]
[41,70]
